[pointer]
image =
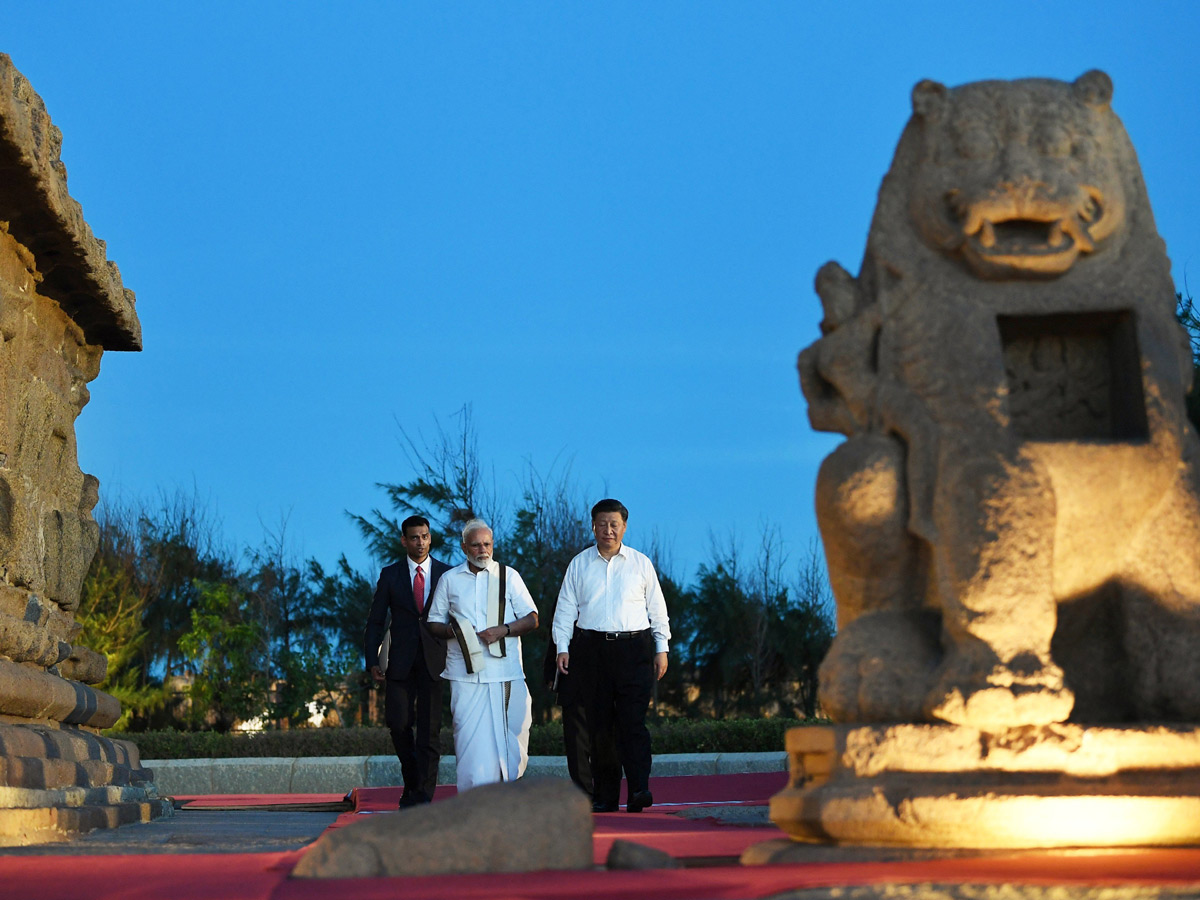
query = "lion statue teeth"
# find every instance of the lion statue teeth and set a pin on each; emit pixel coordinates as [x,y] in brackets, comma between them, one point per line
[1012,524]
[1020,190]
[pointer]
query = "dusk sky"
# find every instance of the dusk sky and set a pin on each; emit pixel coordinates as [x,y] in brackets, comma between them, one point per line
[596,223]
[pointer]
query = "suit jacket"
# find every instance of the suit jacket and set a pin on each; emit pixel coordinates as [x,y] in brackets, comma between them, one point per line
[411,638]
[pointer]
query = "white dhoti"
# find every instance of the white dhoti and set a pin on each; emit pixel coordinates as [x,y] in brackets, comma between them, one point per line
[491,731]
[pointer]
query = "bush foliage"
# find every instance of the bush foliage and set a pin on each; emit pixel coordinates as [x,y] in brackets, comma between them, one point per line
[667,735]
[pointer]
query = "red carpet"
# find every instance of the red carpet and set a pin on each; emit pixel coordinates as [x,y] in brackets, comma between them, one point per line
[1151,867]
[192,876]
[654,827]
[264,875]
[254,876]
[210,801]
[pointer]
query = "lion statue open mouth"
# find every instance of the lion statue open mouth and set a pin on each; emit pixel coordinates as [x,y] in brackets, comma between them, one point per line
[1020,191]
[1018,230]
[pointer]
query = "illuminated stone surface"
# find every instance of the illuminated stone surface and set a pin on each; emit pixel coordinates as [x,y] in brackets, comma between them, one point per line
[61,305]
[1012,524]
[1039,786]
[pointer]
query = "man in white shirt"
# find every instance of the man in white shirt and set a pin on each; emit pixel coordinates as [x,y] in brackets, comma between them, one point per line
[482,608]
[620,649]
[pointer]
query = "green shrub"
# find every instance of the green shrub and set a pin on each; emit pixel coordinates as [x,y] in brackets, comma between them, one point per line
[667,736]
[546,740]
[720,735]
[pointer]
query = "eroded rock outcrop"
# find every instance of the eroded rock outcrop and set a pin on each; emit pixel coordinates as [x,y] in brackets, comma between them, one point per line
[529,825]
[61,305]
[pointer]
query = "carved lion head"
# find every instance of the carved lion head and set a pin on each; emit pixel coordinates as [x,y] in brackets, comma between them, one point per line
[1019,179]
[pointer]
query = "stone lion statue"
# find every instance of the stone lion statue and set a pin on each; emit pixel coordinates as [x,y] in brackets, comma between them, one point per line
[1012,524]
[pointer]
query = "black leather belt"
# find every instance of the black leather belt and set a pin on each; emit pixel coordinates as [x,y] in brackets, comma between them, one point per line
[615,635]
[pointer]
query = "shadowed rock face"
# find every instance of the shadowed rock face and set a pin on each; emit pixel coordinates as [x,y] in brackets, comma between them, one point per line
[61,305]
[1011,524]
[520,826]
[44,218]
[47,534]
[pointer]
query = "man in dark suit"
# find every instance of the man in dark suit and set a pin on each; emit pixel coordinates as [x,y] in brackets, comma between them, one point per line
[413,701]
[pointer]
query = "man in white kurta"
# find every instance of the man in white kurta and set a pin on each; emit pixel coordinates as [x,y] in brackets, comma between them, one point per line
[489,701]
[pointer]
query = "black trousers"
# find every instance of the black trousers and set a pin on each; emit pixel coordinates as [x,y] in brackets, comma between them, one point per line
[414,704]
[618,681]
[576,741]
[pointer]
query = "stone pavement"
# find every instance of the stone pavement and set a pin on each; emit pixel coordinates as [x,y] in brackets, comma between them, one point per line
[198,831]
[289,826]
[261,843]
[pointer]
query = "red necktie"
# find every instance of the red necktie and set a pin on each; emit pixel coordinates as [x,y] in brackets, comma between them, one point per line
[419,589]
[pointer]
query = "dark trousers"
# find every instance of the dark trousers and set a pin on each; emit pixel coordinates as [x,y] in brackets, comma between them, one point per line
[576,743]
[618,679]
[414,703]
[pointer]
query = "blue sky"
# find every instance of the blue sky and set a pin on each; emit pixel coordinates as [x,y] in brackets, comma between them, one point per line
[597,223]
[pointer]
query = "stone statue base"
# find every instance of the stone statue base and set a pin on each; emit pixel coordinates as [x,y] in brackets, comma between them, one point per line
[947,786]
[57,781]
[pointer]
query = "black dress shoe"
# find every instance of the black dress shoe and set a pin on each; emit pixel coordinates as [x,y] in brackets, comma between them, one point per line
[639,800]
[410,799]
[604,807]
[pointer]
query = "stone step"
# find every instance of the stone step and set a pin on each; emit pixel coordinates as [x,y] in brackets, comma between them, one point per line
[67,743]
[26,772]
[31,798]
[31,693]
[20,827]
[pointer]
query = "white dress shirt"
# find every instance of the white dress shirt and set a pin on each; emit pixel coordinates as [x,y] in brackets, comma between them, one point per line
[467,593]
[618,594]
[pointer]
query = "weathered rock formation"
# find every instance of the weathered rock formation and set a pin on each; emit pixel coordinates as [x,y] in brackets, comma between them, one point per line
[519,826]
[1012,526]
[61,305]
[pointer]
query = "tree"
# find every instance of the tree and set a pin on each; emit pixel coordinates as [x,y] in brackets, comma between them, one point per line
[1189,318]
[347,594]
[224,647]
[673,690]
[449,488]
[749,640]
[808,628]
[294,619]
[138,592]
[766,607]
[110,619]
[170,549]
[707,624]
[552,527]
